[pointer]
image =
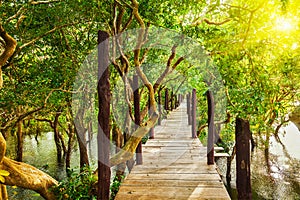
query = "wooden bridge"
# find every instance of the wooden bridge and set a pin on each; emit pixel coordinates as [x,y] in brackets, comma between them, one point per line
[174,166]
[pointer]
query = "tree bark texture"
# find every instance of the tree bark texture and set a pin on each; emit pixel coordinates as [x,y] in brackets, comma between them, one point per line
[167,99]
[137,117]
[159,107]
[188,102]
[211,127]
[242,139]
[104,97]
[20,141]
[194,107]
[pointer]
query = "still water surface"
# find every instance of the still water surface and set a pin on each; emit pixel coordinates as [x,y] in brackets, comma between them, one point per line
[277,178]
[277,174]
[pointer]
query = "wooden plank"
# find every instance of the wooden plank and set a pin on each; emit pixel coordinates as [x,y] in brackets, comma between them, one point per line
[172,183]
[173,193]
[218,149]
[222,155]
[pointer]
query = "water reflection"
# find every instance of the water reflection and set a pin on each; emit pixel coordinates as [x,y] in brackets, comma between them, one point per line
[275,172]
[42,154]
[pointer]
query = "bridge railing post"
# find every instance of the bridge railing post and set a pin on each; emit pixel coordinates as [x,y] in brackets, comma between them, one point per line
[172,100]
[242,139]
[188,110]
[166,99]
[103,142]
[159,107]
[211,128]
[194,107]
[137,117]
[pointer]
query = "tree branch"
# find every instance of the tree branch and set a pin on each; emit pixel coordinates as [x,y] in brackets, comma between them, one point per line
[24,115]
[127,152]
[43,2]
[44,34]
[9,49]
[19,12]
[168,69]
[216,23]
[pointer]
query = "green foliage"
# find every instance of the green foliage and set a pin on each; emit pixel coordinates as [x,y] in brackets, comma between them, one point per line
[77,186]
[114,188]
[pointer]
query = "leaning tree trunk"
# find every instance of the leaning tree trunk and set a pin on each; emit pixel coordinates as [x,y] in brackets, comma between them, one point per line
[24,175]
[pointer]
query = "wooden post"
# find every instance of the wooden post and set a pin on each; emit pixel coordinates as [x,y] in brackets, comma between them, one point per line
[194,107]
[159,107]
[176,101]
[172,100]
[242,139]
[103,137]
[137,117]
[211,127]
[188,110]
[167,99]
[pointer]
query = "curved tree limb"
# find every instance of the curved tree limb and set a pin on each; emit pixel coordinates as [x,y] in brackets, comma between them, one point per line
[2,147]
[43,2]
[28,177]
[128,150]
[209,22]
[9,49]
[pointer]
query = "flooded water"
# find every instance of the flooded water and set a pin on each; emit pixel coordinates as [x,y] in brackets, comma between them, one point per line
[42,155]
[274,175]
[275,178]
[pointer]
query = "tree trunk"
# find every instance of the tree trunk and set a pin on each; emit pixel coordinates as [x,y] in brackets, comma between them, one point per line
[80,135]
[193,113]
[188,104]
[211,127]
[20,142]
[172,100]
[159,108]
[166,99]
[3,192]
[57,139]
[243,179]
[118,139]
[137,117]
[104,96]
[130,162]
[70,147]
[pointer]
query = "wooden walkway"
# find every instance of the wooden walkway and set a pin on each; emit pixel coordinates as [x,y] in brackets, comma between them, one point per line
[174,166]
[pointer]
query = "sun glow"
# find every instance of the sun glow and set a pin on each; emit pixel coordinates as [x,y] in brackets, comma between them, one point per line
[284,24]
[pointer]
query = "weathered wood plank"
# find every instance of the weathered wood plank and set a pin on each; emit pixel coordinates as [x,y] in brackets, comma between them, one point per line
[172,193]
